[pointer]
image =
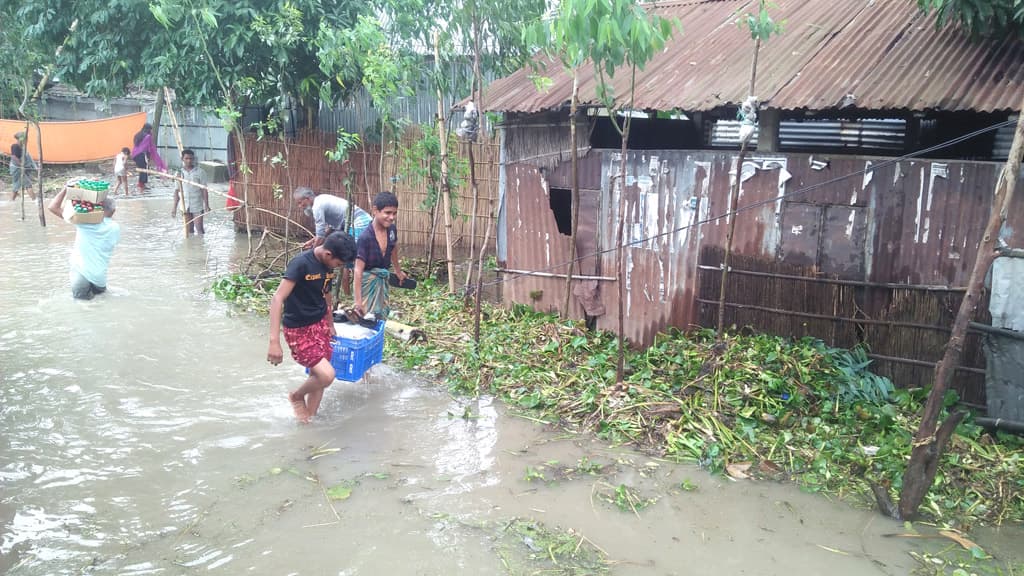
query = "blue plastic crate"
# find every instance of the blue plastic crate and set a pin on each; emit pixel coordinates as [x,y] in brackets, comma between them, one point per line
[352,358]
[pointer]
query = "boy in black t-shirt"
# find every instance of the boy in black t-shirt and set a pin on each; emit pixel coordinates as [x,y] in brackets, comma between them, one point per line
[302,304]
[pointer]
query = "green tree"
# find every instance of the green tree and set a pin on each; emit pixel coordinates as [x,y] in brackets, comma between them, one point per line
[563,37]
[978,17]
[487,30]
[614,35]
[22,61]
[121,43]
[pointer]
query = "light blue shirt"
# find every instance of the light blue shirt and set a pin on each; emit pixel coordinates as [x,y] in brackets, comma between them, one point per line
[329,212]
[360,221]
[94,245]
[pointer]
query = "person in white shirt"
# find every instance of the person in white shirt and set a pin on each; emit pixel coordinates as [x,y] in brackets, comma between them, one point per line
[193,193]
[121,171]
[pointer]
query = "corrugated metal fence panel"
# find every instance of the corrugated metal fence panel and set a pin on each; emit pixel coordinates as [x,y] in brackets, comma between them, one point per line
[726,134]
[200,131]
[1004,138]
[869,134]
[359,115]
[537,244]
[865,245]
[883,134]
[545,140]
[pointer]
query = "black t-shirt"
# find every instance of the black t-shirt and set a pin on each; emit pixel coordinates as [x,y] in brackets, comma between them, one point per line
[368,250]
[306,304]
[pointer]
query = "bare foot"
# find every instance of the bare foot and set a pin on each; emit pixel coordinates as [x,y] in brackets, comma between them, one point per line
[299,407]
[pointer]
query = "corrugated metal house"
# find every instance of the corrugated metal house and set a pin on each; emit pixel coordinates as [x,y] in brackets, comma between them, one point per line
[838,237]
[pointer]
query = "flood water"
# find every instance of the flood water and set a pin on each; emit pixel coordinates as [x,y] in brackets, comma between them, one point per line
[144,433]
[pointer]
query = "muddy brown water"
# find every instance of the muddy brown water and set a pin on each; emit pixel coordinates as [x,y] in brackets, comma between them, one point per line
[144,433]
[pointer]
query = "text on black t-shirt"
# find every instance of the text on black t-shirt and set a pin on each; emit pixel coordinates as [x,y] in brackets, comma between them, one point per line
[307,303]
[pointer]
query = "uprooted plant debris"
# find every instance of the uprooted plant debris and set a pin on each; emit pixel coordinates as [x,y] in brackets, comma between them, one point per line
[759,407]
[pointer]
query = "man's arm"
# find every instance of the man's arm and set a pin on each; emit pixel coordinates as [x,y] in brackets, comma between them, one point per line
[320,219]
[397,266]
[56,204]
[274,353]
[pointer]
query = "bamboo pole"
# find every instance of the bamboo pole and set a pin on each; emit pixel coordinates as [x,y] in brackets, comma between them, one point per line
[179,190]
[734,198]
[239,134]
[574,227]
[929,441]
[620,364]
[291,185]
[219,193]
[474,186]
[445,189]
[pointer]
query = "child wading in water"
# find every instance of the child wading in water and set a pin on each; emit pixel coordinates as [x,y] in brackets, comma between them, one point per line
[121,171]
[302,304]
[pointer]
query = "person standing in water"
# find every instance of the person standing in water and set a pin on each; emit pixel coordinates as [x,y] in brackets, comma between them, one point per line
[193,194]
[21,168]
[94,245]
[302,305]
[145,149]
[121,171]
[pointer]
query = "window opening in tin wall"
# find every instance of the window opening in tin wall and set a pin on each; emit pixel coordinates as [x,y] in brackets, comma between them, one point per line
[560,201]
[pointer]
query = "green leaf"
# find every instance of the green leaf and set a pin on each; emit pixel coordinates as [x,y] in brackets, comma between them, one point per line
[340,492]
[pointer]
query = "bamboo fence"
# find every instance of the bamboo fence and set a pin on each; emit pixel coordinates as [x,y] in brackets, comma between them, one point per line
[360,177]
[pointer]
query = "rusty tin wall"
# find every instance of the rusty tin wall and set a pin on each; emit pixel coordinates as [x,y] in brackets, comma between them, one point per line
[839,258]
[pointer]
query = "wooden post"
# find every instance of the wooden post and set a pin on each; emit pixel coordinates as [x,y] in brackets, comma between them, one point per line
[930,441]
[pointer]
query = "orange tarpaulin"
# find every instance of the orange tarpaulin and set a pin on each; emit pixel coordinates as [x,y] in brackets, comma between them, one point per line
[71,142]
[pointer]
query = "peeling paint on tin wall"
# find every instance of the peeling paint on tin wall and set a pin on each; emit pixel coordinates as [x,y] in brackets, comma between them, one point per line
[868,175]
[772,238]
[662,274]
[773,235]
[704,208]
[917,214]
[953,253]
[850,225]
[519,208]
[627,256]
[937,171]
[547,249]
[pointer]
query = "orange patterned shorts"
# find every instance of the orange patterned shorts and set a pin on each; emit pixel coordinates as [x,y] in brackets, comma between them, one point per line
[310,344]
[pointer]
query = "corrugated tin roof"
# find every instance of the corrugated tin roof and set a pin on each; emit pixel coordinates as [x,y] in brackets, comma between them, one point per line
[883,54]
